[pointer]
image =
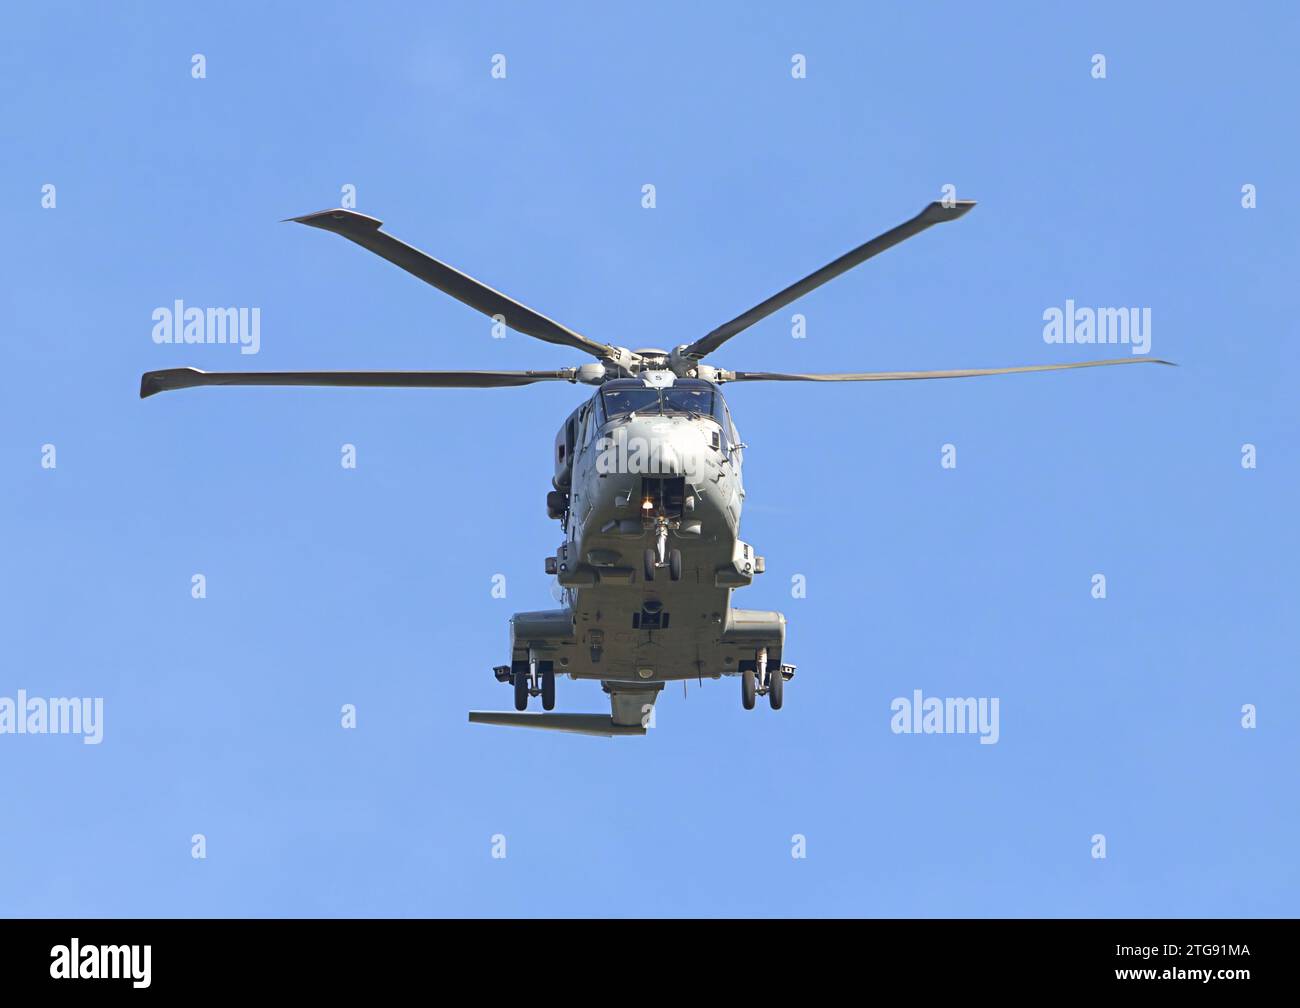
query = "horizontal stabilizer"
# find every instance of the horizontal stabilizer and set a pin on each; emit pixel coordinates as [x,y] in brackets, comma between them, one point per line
[581,724]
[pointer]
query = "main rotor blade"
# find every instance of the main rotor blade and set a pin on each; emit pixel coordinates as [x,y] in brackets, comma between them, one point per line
[935,213]
[912,375]
[152,382]
[365,232]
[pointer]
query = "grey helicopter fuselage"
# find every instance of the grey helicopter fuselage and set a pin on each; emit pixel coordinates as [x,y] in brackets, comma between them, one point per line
[648,488]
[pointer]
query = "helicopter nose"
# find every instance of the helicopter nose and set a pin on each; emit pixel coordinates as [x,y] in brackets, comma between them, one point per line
[663,448]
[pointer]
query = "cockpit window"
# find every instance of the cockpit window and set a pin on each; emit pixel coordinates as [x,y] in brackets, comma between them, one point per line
[686,396]
[684,399]
[621,401]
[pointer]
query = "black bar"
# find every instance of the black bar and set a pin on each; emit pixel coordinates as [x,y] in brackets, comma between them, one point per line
[334,956]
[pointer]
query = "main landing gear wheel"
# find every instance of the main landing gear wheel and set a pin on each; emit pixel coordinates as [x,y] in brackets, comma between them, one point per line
[748,688]
[521,690]
[775,688]
[651,561]
[675,565]
[548,690]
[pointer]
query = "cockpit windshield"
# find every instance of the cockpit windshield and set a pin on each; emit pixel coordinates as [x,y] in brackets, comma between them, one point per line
[685,397]
[621,401]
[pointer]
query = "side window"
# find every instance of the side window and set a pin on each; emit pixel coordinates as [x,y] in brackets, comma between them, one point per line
[564,449]
[729,438]
[584,429]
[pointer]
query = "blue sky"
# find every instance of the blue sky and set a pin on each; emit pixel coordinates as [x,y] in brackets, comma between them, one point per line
[372,587]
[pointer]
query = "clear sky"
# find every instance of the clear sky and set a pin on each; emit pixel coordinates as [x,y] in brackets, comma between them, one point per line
[1119,716]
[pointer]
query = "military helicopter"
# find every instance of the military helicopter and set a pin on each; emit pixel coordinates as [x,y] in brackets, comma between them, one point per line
[647,488]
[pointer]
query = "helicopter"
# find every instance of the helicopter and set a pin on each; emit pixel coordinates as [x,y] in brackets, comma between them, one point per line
[647,488]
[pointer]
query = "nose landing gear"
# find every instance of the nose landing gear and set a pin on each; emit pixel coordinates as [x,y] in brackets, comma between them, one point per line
[757,679]
[660,556]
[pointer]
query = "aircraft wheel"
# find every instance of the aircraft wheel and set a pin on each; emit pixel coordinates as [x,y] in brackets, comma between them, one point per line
[776,688]
[548,690]
[675,565]
[748,688]
[650,560]
[521,690]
